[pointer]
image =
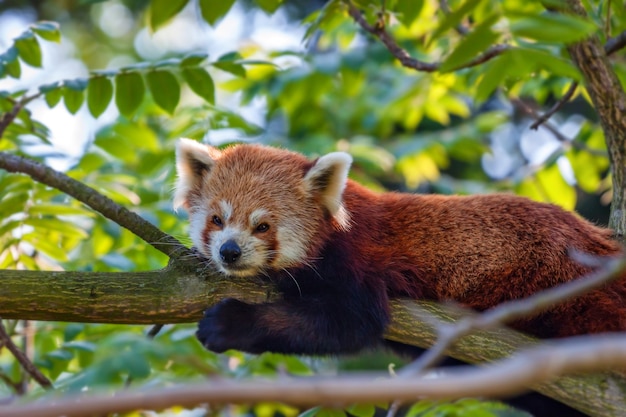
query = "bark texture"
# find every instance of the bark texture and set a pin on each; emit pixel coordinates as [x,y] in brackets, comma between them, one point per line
[609,100]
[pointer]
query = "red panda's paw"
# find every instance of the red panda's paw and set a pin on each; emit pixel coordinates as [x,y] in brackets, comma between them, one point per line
[227,325]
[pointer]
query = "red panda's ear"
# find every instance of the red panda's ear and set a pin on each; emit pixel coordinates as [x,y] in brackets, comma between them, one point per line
[328,176]
[193,162]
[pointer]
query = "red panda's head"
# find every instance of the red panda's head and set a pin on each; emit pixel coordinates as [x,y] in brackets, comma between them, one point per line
[254,208]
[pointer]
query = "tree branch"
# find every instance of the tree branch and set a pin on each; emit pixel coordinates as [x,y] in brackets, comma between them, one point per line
[512,310]
[8,118]
[98,202]
[616,43]
[508,377]
[403,56]
[180,294]
[552,129]
[23,360]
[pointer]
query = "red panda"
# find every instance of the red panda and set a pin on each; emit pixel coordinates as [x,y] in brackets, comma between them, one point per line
[338,251]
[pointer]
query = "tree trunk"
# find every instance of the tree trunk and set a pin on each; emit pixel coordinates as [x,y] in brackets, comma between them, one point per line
[609,99]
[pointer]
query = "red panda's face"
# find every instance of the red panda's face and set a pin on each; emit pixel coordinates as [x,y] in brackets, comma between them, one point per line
[255,209]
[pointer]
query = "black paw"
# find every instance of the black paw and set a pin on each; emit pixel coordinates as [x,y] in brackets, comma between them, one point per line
[227,325]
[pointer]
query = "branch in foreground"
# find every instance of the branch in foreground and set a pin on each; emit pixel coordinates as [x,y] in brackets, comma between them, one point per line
[512,376]
[23,360]
[515,309]
[176,295]
[98,202]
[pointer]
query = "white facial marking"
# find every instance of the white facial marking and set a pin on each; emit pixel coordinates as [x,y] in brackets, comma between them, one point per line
[197,224]
[227,209]
[256,216]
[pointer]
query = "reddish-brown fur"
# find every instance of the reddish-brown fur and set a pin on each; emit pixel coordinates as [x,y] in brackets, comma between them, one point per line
[476,250]
[483,250]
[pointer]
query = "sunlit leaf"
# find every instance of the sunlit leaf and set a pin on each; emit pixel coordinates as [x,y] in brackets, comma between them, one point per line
[552,27]
[11,63]
[47,30]
[161,11]
[214,10]
[99,95]
[409,10]
[231,67]
[193,60]
[28,49]
[53,97]
[269,6]
[200,83]
[474,43]
[129,92]
[164,88]
[73,99]
[454,18]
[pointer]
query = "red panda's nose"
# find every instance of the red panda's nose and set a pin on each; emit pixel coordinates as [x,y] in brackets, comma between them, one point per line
[230,252]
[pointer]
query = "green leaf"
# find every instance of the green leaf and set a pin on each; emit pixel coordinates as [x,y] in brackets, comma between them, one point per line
[165,89]
[496,71]
[269,6]
[454,18]
[129,92]
[538,59]
[47,30]
[552,27]
[200,83]
[362,410]
[477,41]
[235,69]
[49,87]
[28,49]
[214,10]
[193,60]
[409,10]
[53,97]
[99,95]
[12,65]
[73,99]
[162,11]
[78,84]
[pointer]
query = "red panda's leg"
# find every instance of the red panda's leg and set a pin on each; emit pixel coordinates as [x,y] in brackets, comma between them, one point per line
[328,324]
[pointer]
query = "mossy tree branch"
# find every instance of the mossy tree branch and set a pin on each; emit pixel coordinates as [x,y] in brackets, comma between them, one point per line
[179,293]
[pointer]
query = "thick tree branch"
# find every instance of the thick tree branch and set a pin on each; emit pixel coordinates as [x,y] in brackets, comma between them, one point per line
[512,310]
[23,360]
[506,378]
[98,202]
[180,294]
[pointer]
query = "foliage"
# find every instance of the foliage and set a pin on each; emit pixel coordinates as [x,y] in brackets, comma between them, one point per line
[408,130]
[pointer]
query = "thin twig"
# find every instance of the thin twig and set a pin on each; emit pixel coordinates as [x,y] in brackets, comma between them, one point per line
[512,310]
[612,45]
[98,202]
[511,376]
[552,129]
[445,8]
[615,44]
[403,56]
[556,107]
[23,360]
[10,116]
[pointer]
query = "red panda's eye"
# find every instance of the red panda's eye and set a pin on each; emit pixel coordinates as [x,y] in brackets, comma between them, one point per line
[263,227]
[217,221]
